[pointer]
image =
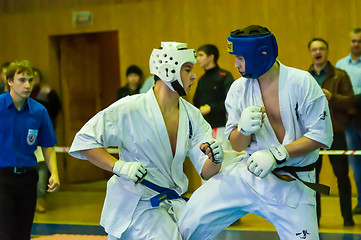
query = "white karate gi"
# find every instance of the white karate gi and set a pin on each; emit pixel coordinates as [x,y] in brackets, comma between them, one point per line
[289,206]
[135,124]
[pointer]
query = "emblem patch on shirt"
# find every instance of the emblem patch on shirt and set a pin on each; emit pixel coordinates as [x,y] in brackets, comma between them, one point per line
[303,234]
[323,115]
[31,138]
[230,46]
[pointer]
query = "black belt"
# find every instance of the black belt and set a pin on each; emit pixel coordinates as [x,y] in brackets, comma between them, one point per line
[17,170]
[318,187]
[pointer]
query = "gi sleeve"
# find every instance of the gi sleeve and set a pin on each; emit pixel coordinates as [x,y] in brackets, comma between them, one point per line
[233,110]
[101,131]
[315,114]
[202,132]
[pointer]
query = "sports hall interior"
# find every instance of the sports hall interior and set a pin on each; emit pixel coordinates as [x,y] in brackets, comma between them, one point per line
[83,48]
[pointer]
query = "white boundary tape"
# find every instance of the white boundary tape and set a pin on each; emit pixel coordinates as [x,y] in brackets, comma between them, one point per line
[322,152]
[66,150]
[340,152]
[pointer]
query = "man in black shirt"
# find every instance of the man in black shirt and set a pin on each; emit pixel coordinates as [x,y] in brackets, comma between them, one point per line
[211,93]
[212,87]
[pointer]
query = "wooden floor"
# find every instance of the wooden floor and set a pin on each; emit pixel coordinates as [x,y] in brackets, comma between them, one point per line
[77,211]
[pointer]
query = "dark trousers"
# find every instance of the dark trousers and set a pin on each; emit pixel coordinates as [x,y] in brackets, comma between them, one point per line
[340,168]
[17,204]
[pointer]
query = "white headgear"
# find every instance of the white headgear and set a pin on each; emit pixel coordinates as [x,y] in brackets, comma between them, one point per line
[167,62]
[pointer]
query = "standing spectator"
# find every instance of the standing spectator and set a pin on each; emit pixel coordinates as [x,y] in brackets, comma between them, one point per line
[48,97]
[134,77]
[25,124]
[336,86]
[352,65]
[3,83]
[211,93]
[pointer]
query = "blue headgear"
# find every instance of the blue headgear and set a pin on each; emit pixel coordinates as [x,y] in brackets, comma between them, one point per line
[257,45]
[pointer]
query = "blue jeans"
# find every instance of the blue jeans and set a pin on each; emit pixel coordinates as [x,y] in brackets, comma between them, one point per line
[353,139]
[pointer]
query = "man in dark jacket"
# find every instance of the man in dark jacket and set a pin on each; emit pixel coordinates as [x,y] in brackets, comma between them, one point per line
[212,87]
[211,93]
[337,87]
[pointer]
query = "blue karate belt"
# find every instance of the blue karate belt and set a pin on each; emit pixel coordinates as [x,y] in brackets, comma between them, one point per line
[164,193]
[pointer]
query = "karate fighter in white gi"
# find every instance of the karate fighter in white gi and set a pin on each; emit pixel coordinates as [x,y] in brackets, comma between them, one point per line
[154,132]
[281,117]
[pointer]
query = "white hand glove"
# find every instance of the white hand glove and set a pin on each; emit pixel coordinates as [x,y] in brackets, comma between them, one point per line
[216,151]
[262,162]
[132,170]
[251,120]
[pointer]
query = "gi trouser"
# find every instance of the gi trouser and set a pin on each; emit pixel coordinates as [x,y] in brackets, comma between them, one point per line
[154,223]
[226,197]
[17,204]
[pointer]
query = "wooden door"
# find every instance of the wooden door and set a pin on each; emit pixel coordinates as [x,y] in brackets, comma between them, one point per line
[84,80]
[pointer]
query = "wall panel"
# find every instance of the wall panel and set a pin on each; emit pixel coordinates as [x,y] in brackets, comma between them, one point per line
[143,24]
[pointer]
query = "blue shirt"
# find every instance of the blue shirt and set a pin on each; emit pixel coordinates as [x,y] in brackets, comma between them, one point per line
[353,69]
[22,131]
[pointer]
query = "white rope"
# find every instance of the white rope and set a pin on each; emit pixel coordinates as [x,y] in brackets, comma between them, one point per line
[66,150]
[322,152]
[340,152]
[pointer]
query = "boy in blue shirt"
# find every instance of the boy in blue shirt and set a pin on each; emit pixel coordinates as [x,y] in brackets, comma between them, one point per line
[24,125]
